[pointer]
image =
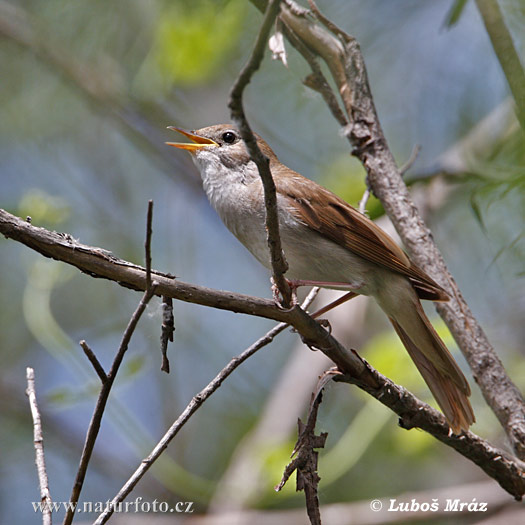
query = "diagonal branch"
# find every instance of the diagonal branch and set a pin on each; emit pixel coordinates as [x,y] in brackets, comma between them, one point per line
[279,264]
[101,263]
[196,402]
[344,59]
[508,471]
[96,419]
[506,52]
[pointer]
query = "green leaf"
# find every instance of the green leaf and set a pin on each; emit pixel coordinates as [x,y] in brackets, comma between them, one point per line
[194,40]
[455,12]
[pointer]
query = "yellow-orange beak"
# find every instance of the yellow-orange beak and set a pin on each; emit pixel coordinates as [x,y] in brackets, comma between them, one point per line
[198,141]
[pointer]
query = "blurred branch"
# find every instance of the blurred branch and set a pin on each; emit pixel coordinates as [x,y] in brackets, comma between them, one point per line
[508,471]
[343,57]
[505,51]
[101,88]
[244,484]
[278,261]
[196,402]
[38,440]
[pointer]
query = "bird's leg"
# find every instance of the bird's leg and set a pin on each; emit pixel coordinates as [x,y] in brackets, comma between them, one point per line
[343,299]
[294,284]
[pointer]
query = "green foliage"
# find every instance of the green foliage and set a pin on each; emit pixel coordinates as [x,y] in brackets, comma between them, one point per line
[43,208]
[455,12]
[195,38]
[498,198]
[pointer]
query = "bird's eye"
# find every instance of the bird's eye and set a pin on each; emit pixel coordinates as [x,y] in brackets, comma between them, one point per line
[229,137]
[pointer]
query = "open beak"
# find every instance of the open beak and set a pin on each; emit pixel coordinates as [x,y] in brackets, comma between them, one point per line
[198,141]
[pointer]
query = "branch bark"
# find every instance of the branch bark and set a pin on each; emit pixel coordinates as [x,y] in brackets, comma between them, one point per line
[192,407]
[278,260]
[509,472]
[343,57]
[98,413]
[38,439]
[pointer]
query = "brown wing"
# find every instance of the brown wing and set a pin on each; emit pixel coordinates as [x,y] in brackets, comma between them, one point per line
[334,218]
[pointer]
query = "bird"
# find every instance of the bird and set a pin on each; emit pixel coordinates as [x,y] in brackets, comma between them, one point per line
[329,243]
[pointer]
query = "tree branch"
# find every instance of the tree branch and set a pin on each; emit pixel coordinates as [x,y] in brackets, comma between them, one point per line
[278,261]
[505,50]
[509,472]
[96,419]
[101,263]
[344,59]
[192,407]
[38,440]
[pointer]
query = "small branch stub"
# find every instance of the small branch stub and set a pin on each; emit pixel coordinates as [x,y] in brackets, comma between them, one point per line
[305,462]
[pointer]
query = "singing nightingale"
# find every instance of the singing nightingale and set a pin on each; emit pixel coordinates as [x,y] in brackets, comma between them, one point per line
[329,243]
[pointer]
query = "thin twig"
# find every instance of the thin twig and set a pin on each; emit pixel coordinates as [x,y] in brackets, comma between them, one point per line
[278,261]
[192,407]
[364,200]
[167,330]
[99,369]
[147,243]
[410,162]
[317,81]
[38,440]
[96,419]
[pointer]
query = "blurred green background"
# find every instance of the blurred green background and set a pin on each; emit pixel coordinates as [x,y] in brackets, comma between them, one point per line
[86,92]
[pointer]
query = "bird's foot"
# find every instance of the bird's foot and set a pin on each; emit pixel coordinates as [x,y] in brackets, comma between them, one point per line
[277,294]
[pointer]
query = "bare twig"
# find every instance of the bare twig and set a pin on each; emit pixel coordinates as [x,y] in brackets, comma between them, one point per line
[99,369]
[364,200]
[192,407]
[96,419]
[305,461]
[147,243]
[38,440]
[410,162]
[99,263]
[167,330]
[279,264]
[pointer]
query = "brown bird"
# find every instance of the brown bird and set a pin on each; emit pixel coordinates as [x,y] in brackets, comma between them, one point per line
[329,243]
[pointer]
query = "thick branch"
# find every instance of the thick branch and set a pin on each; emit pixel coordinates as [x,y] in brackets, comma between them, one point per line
[279,264]
[343,57]
[505,469]
[100,263]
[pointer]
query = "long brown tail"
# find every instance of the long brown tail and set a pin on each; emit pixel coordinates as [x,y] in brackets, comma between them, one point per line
[432,358]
